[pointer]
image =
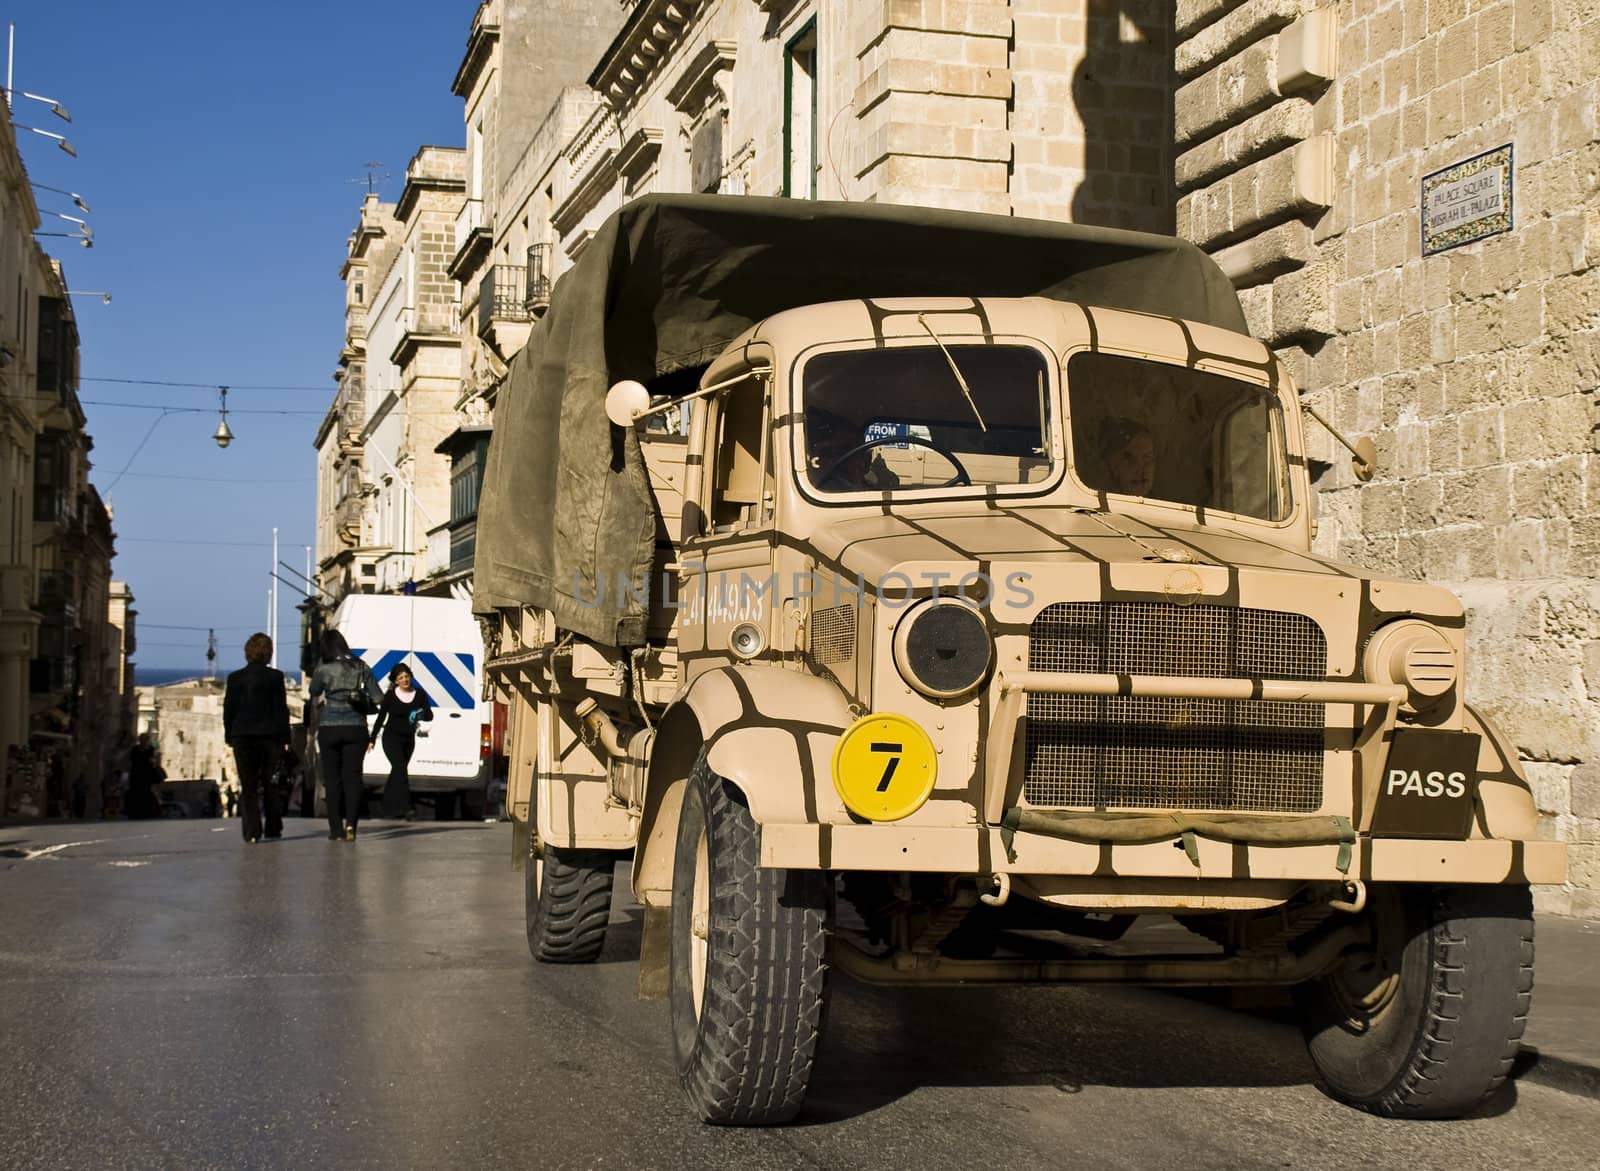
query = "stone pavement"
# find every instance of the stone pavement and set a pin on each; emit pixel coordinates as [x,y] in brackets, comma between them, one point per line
[1562,1045]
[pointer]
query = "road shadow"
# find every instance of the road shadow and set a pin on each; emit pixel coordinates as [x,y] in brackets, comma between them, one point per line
[881,1044]
[623,939]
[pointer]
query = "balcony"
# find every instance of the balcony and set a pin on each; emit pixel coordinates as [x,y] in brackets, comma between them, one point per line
[502,296]
[463,544]
[431,322]
[347,521]
[55,594]
[473,237]
[538,298]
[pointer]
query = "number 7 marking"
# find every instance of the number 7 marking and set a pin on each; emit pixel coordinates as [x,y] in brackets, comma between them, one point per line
[893,762]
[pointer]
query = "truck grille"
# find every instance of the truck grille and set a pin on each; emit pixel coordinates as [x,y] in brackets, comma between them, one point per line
[1099,752]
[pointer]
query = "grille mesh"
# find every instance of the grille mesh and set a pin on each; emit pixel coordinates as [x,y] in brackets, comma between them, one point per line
[833,634]
[1100,752]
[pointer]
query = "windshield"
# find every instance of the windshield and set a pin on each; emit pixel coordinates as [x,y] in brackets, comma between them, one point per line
[900,419]
[1167,432]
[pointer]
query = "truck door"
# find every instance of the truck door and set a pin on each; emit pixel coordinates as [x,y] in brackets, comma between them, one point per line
[726,584]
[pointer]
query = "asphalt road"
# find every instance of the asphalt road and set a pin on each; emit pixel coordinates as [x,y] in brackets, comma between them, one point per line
[171,998]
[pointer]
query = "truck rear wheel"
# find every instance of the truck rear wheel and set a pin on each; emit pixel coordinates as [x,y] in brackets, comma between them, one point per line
[748,964]
[1425,1023]
[567,901]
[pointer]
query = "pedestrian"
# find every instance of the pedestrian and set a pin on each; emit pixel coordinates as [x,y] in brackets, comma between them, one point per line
[404,706]
[144,774]
[349,695]
[255,723]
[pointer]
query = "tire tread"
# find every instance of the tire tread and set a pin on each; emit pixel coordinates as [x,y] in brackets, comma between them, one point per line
[567,919]
[761,1015]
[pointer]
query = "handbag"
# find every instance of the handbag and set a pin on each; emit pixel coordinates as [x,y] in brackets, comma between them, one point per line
[357,697]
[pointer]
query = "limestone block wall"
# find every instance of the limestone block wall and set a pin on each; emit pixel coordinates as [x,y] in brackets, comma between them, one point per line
[931,107]
[1091,123]
[1305,131]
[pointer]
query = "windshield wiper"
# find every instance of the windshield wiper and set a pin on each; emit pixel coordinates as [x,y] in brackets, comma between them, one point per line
[922,320]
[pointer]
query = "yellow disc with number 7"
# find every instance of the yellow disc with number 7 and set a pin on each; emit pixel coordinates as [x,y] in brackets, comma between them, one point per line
[884,767]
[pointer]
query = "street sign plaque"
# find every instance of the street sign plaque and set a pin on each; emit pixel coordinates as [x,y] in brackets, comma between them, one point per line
[1467,201]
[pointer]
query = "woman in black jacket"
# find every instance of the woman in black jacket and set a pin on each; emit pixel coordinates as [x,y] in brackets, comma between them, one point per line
[255,722]
[404,706]
[348,693]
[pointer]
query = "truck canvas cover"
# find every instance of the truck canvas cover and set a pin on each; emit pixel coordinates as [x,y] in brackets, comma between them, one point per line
[667,282]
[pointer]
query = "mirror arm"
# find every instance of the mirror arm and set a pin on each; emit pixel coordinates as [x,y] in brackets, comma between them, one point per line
[705,391]
[1365,455]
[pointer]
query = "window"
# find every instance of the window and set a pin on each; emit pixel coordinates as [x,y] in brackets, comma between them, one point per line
[475,180]
[466,479]
[360,293]
[1167,432]
[49,477]
[742,485]
[899,419]
[800,115]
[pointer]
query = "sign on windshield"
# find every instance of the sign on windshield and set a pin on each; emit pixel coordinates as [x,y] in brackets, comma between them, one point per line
[900,418]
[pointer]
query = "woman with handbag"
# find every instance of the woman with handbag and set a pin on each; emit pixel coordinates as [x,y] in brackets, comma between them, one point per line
[404,706]
[349,695]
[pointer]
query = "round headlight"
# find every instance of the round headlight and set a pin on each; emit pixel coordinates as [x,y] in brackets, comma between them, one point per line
[746,640]
[1418,657]
[942,648]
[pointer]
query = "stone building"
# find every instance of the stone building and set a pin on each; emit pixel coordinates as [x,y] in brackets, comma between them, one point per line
[57,724]
[520,57]
[24,277]
[345,554]
[1306,136]
[383,492]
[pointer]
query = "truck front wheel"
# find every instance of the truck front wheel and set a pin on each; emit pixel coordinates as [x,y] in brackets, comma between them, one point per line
[748,964]
[567,901]
[1425,1022]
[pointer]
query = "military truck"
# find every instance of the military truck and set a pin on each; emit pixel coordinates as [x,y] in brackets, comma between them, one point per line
[928,597]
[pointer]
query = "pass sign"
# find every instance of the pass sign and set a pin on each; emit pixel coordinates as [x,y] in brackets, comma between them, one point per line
[1429,786]
[884,767]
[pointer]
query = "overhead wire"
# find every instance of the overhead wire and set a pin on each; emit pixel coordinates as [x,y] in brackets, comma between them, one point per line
[204,385]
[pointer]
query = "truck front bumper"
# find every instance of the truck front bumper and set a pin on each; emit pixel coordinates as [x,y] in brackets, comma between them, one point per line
[983,850]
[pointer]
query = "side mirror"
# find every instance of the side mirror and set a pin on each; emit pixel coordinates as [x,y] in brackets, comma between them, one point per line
[1364,459]
[625,401]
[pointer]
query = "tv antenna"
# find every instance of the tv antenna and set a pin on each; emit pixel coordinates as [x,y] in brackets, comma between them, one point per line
[372,178]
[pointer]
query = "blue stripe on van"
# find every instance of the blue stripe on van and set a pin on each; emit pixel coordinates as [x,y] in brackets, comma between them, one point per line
[445,679]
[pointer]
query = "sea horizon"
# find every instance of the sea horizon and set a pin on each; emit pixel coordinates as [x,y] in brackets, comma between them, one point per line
[166,676]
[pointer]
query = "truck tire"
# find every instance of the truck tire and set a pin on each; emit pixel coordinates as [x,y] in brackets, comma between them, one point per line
[567,902]
[1427,1022]
[748,964]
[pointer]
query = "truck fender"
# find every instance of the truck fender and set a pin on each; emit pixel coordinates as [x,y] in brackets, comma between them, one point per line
[1505,807]
[768,731]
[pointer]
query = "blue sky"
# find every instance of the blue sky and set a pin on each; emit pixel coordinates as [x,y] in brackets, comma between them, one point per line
[215,147]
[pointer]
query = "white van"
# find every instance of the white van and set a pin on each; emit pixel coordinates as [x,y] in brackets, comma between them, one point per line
[442,644]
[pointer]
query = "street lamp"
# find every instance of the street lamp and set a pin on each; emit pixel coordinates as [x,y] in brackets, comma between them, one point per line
[83,225]
[86,240]
[61,140]
[223,435]
[72,195]
[56,107]
[105,297]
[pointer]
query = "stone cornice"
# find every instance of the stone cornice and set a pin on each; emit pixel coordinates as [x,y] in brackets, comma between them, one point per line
[697,83]
[639,151]
[416,185]
[646,41]
[594,168]
[480,44]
